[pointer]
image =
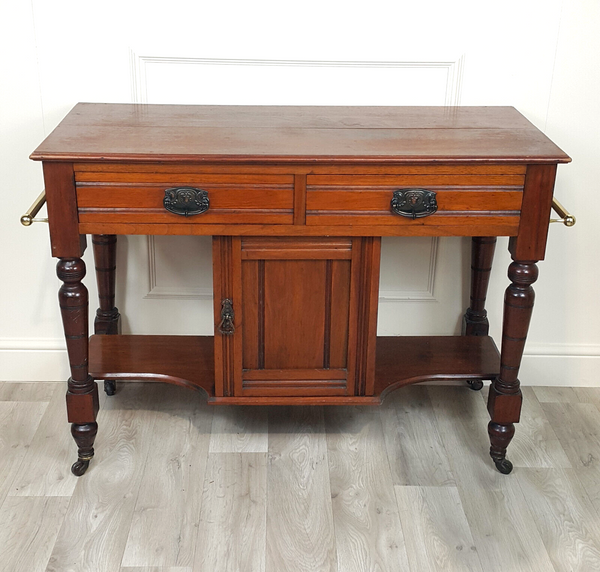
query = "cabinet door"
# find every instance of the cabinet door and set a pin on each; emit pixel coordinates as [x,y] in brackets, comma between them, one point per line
[304,315]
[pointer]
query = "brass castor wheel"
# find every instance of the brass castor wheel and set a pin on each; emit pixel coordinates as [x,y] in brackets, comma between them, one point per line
[474,384]
[80,467]
[110,386]
[504,466]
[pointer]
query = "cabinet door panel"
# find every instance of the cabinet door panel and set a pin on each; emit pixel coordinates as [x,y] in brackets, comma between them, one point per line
[295,313]
[301,301]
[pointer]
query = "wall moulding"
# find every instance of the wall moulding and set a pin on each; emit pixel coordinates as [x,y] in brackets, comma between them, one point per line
[440,79]
[450,92]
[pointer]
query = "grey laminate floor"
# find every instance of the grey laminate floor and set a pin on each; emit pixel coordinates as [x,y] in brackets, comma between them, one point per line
[178,486]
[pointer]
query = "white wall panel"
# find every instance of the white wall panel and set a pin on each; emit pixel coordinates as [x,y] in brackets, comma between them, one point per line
[541,57]
[184,80]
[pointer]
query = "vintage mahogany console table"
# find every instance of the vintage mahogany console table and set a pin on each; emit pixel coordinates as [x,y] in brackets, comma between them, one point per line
[296,200]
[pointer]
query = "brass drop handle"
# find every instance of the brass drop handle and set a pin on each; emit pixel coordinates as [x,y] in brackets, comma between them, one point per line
[186,201]
[226,326]
[565,216]
[414,203]
[29,217]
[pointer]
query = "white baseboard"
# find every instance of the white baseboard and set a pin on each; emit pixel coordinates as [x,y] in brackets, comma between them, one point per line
[33,365]
[548,364]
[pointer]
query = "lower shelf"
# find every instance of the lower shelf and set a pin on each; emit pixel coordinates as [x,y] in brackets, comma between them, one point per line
[188,361]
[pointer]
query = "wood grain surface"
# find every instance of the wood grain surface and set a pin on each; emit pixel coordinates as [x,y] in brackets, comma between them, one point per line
[163,530]
[97,132]
[324,490]
[188,360]
[95,529]
[18,424]
[564,517]
[29,529]
[438,537]
[300,526]
[232,528]
[410,427]
[368,533]
[45,470]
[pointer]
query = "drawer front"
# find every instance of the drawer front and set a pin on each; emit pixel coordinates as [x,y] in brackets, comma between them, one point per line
[367,199]
[137,197]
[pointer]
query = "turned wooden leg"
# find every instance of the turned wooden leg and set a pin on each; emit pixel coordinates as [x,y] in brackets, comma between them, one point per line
[475,322]
[82,392]
[504,403]
[108,319]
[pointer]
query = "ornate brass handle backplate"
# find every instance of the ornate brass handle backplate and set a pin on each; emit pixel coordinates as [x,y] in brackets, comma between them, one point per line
[186,201]
[226,326]
[414,203]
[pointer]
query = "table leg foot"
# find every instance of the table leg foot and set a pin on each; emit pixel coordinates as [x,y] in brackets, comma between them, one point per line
[475,384]
[84,436]
[80,466]
[110,386]
[500,437]
[504,466]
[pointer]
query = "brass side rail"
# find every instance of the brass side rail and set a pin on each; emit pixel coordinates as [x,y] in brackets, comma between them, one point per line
[565,216]
[29,217]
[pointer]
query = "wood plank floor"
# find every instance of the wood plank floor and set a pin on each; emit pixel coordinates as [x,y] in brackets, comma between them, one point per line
[179,486]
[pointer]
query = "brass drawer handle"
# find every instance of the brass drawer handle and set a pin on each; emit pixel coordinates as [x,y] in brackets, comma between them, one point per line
[29,217]
[226,326]
[186,201]
[565,216]
[414,203]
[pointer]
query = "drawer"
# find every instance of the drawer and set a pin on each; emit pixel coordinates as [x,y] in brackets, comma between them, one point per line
[106,196]
[343,199]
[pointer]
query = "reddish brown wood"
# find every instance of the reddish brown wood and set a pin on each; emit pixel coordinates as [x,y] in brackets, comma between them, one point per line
[364,294]
[82,392]
[376,200]
[100,132]
[504,401]
[315,374]
[530,243]
[338,288]
[108,319]
[425,179]
[298,168]
[61,199]
[500,437]
[475,322]
[188,361]
[297,312]
[95,198]
[227,271]
[299,200]
[470,225]
[158,216]
[185,175]
[294,313]
[438,224]
[267,145]
[339,117]
[265,248]
[263,198]
[84,436]
[181,360]
[308,305]
[412,359]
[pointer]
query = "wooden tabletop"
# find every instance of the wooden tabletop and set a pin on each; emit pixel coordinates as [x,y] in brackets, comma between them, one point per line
[132,132]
